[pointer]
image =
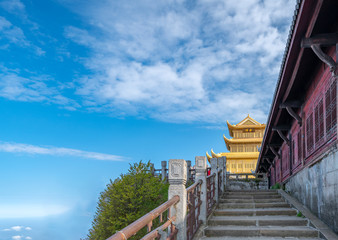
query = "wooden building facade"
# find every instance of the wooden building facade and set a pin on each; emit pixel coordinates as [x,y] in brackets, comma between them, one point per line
[299,148]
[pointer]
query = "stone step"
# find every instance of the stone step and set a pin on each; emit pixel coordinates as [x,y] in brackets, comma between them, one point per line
[255,212]
[250,193]
[262,196]
[251,231]
[254,205]
[258,221]
[252,190]
[251,200]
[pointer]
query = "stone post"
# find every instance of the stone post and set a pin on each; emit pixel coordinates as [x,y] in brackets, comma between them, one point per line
[188,170]
[152,169]
[201,174]
[214,169]
[221,166]
[177,178]
[224,173]
[164,170]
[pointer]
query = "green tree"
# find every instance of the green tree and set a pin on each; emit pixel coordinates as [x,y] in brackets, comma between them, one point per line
[126,199]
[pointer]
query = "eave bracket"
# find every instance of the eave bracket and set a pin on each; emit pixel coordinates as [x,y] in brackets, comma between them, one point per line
[279,130]
[316,42]
[289,106]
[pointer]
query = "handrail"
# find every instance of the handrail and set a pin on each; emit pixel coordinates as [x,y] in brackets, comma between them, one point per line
[147,219]
[192,187]
[211,175]
[156,232]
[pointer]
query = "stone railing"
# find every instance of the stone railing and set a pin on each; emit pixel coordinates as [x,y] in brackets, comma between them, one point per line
[247,181]
[163,171]
[188,208]
[246,176]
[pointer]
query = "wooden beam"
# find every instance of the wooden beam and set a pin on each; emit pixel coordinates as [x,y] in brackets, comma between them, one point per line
[281,127]
[316,42]
[283,137]
[274,151]
[268,160]
[295,104]
[275,144]
[328,60]
[294,115]
[289,105]
[321,39]
[268,156]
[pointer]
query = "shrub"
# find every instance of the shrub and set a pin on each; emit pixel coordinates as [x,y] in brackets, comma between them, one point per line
[126,199]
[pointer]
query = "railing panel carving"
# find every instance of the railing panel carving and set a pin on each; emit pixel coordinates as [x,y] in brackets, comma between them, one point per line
[193,208]
[211,192]
[220,182]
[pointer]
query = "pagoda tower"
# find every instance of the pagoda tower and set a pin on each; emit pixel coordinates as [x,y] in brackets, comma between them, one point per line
[244,145]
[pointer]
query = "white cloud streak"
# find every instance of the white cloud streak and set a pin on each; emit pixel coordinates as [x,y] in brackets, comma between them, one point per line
[56,151]
[33,88]
[17,228]
[17,237]
[31,210]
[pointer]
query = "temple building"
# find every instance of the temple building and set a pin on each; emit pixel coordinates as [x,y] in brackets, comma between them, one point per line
[300,144]
[246,139]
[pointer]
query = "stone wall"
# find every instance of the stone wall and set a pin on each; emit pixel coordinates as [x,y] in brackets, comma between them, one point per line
[317,188]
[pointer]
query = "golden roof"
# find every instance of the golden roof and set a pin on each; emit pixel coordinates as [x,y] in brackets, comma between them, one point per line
[233,155]
[247,122]
[241,140]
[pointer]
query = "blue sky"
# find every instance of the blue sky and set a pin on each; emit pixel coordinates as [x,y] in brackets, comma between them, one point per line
[87,87]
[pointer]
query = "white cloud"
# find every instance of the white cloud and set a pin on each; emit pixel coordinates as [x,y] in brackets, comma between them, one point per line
[56,151]
[17,237]
[13,6]
[12,33]
[17,228]
[31,210]
[182,61]
[34,88]
[177,61]
[28,238]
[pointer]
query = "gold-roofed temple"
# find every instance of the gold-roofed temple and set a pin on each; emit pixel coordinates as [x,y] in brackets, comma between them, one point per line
[244,145]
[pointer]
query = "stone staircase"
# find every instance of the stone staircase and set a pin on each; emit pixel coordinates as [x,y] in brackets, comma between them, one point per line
[256,214]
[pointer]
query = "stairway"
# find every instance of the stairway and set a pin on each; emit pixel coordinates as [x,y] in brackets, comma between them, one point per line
[256,214]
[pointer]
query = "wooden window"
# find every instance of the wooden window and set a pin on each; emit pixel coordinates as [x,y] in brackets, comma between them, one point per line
[309,133]
[331,107]
[299,146]
[319,121]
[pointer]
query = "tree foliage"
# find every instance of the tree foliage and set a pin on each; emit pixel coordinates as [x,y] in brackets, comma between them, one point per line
[126,199]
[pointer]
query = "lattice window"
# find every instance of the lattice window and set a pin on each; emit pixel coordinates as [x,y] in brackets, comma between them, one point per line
[319,121]
[331,107]
[299,146]
[309,133]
